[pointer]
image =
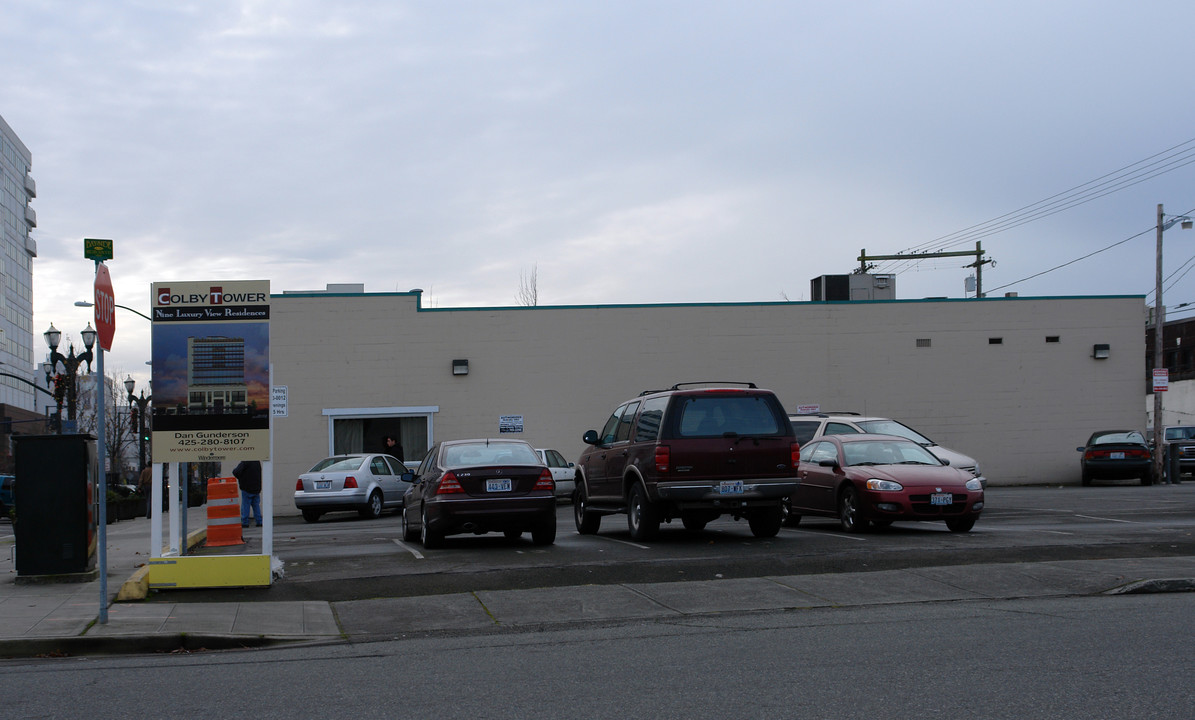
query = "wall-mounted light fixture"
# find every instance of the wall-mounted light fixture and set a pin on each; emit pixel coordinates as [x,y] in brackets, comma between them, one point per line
[460,367]
[1100,351]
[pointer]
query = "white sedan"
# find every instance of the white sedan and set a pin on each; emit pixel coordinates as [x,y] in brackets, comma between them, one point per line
[562,471]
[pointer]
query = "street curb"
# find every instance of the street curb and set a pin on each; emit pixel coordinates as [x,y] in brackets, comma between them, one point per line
[136,644]
[137,586]
[1166,585]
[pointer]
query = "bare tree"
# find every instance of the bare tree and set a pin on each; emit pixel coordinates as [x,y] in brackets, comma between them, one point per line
[119,428]
[529,287]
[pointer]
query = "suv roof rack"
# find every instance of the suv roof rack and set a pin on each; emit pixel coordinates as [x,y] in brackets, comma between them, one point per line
[678,386]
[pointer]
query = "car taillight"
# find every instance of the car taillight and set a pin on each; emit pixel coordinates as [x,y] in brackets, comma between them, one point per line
[350,482]
[545,481]
[794,451]
[449,485]
[663,458]
[299,484]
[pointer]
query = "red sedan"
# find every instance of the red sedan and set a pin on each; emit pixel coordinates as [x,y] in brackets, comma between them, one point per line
[868,480]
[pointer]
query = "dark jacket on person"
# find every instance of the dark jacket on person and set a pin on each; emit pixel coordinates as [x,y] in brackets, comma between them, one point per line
[248,475]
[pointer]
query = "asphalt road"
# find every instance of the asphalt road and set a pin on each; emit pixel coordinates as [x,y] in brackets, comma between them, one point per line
[1059,658]
[343,557]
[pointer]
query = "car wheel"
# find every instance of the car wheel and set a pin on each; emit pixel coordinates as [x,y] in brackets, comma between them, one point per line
[765,522]
[849,513]
[373,507]
[786,512]
[427,536]
[961,525]
[1148,478]
[408,532]
[545,532]
[1086,478]
[642,519]
[587,522]
[311,515]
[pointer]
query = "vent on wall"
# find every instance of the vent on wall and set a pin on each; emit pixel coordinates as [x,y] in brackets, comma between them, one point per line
[923,342]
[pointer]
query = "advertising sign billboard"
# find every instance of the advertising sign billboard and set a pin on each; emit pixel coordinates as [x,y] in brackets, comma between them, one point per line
[211,370]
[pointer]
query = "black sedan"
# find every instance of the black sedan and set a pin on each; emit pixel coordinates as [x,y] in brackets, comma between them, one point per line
[480,486]
[1116,455]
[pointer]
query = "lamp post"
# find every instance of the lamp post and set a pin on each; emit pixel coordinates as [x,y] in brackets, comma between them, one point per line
[142,404]
[70,364]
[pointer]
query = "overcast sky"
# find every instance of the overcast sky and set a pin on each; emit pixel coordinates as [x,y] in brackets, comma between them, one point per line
[631,152]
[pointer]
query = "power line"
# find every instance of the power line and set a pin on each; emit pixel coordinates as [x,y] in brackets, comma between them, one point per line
[1173,158]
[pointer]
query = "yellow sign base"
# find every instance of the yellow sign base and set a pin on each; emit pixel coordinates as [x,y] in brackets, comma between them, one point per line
[209,571]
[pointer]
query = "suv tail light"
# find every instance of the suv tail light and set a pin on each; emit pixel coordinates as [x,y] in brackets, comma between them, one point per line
[545,481]
[350,482]
[663,458]
[795,452]
[449,485]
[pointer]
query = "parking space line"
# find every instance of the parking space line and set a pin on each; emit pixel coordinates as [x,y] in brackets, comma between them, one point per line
[624,542]
[1092,517]
[418,555]
[826,534]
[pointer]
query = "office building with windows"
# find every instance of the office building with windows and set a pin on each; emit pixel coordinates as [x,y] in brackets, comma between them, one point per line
[17,220]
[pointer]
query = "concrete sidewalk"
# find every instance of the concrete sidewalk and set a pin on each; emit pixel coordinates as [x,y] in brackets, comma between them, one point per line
[61,619]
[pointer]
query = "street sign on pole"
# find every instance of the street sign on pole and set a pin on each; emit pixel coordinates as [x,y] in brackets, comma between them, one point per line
[105,306]
[1161,379]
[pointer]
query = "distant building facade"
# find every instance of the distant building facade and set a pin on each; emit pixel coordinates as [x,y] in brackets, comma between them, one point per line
[17,220]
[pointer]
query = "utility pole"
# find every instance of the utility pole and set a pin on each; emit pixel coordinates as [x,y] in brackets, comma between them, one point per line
[1159,311]
[977,253]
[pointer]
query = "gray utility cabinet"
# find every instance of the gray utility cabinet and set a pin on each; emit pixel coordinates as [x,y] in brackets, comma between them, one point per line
[57,504]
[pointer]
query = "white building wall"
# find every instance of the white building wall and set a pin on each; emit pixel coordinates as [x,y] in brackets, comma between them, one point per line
[1020,407]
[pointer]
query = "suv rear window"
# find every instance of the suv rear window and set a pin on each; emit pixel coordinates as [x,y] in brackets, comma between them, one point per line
[715,415]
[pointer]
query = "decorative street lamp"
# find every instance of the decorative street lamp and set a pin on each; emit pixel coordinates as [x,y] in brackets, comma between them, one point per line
[142,405]
[66,383]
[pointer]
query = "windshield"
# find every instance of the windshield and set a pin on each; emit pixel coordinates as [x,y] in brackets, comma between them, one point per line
[887,452]
[891,427]
[1180,433]
[717,415]
[479,454]
[339,463]
[1118,437]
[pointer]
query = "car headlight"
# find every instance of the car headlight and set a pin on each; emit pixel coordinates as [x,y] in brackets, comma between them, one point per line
[974,485]
[884,485]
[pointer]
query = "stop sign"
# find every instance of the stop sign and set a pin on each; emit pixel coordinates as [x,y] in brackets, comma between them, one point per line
[105,306]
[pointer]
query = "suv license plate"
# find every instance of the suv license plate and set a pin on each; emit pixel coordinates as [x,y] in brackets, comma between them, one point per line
[323,484]
[941,499]
[730,487]
[499,485]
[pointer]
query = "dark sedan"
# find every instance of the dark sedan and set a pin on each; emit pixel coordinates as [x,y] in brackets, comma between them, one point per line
[1116,455]
[480,486]
[868,480]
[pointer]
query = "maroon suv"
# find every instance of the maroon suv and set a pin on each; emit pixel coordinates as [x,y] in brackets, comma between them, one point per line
[689,452]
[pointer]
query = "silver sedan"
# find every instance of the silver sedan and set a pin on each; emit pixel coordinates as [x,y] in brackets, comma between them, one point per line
[368,484]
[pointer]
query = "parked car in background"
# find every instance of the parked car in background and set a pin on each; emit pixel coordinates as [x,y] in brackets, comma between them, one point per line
[563,471]
[693,452]
[1116,455]
[1180,438]
[865,480]
[479,486]
[808,427]
[366,483]
[6,500]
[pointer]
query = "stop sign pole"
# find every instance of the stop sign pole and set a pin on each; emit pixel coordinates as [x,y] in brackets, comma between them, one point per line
[105,325]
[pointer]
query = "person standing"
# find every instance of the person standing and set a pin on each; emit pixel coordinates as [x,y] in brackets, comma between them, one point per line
[248,475]
[145,486]
[391,446]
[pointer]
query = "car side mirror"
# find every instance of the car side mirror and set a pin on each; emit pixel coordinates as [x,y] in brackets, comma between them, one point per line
[944,461]
[572,464]
[590,437]
[408,476]
[828,463]
[1080,449]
